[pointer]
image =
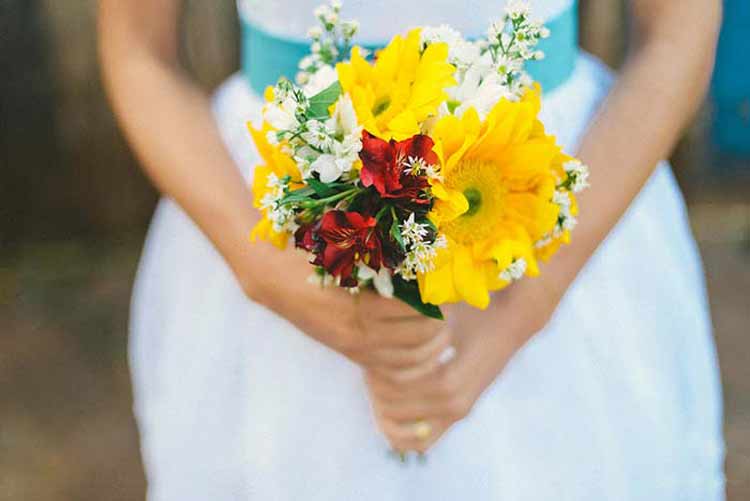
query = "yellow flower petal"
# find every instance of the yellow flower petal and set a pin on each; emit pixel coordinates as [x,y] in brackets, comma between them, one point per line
[404,86]
[469,281]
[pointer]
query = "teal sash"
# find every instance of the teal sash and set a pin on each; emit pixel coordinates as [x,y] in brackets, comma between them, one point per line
[266,57]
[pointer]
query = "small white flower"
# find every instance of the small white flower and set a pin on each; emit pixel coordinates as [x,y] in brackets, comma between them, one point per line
[331,17]
[329,167]
[565,219]
[321,11]
[514,271]
[272,137]
[518,8]
[306,62]
[381,279]
[569,223]
[318,135]
[578,173]
[543,242]
[420,256]
[336,4]
[460,52]
[315,32]
[349,28]
[464,54]
[281,217]
[417,166]
[282,116]
[481,88]
[561,198]
[320,80]
[321,279]
[442,33]
[413,232]
[344,118]
[495,30]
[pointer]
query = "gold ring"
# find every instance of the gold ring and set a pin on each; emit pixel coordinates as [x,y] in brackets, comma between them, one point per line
[422,430]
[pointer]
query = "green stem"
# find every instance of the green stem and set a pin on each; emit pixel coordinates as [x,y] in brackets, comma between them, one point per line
[309,204]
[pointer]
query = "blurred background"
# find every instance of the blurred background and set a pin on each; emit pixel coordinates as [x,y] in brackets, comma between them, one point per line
[74,209]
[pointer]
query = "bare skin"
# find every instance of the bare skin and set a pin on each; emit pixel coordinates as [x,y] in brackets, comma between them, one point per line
[162,110]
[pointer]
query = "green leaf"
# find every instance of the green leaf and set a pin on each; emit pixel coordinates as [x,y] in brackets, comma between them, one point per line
[321,101]
[396,234]
[297,195]
[322,189]
[452,105]
[408,292]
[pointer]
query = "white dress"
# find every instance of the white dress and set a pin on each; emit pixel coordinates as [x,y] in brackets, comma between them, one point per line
[618,399]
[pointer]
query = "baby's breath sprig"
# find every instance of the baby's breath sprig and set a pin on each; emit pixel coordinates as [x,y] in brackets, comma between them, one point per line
[421,246]
[514,271]
[331,40]
[512,41]
[280,215]
[577,176]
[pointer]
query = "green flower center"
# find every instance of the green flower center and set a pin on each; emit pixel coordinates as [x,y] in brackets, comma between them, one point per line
[381,105]
[474,197]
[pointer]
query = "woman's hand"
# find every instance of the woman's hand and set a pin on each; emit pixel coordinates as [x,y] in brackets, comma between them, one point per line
[485,341]
[384,336]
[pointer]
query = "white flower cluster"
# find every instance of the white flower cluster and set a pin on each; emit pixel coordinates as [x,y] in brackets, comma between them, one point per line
[286,111]
[461,53]
[490,69]
[420,253]
[576,180]
[417,166]
[281,216]
[578,176]
[512,41]
[565,219]
[321,278]
[381,279]
[514,271]
[329,147]
[331,41]
[332,147]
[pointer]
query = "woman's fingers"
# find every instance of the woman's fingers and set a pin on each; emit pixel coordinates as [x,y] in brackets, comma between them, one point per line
[450,409]
[406,375]
[418,436]
[406,357]
[406,333]
[443,382]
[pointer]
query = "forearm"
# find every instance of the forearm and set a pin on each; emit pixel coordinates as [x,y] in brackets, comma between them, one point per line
[169,124]
[659,89]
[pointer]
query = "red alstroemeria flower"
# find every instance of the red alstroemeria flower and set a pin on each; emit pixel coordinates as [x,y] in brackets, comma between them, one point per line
[341,240]
[384,165]
[305,237]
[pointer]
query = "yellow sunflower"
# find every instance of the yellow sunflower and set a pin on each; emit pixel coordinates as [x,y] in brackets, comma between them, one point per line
[402,88]
[280,165]
[495,200]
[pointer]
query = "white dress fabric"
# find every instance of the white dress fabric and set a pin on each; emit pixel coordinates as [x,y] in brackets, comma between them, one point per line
[618,399]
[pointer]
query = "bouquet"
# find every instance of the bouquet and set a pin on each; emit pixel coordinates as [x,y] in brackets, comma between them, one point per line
[420,169]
